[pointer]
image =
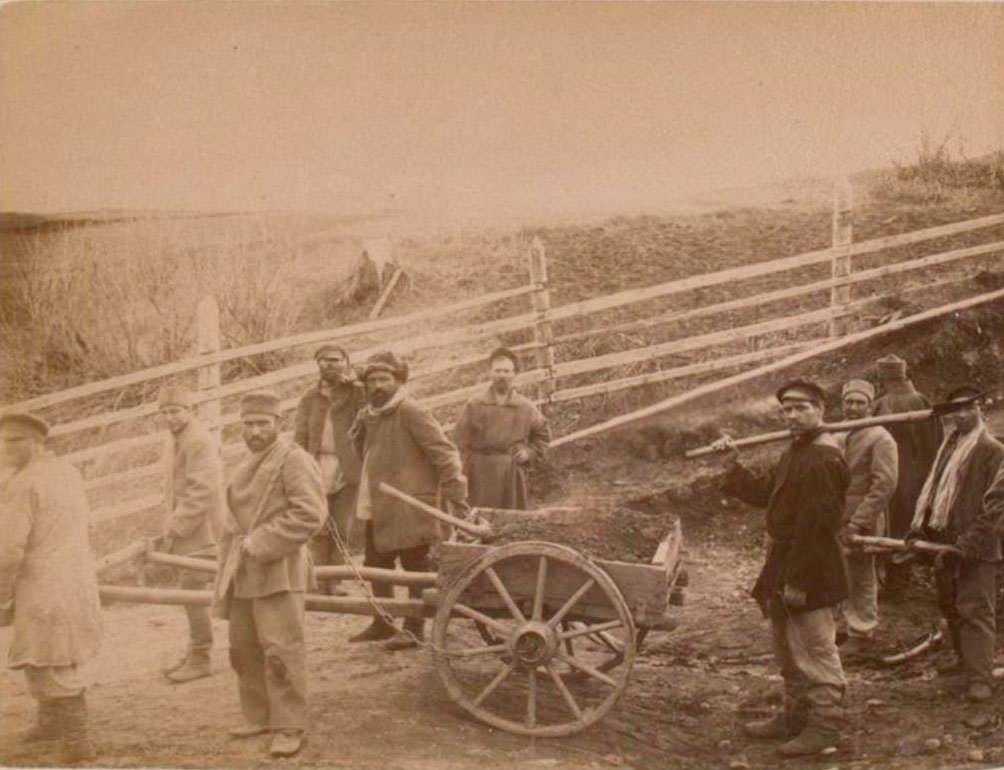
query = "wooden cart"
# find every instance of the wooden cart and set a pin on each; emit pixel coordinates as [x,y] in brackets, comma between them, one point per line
[529,637]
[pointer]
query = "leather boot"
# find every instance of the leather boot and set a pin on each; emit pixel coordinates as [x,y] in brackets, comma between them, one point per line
[196,666]
[785,724]
[378,629]
[411,635]
[175,666]
[47,726]
[72,720]
[821,732]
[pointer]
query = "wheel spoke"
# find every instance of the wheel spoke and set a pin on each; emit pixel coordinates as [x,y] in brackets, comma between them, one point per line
[538,598]
[463,609]
[504,593]
[531,698]
[580,629]
[572,600]
[585,668]
[474,652]
[564,691]
[499,678]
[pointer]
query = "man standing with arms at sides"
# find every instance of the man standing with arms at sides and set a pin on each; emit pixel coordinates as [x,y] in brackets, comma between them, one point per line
[193,498]
[871,459]
[48,589]
[323,419]
[950,510]
[803,579]
[275,503]
[499,433]
[916,445]
[401,444]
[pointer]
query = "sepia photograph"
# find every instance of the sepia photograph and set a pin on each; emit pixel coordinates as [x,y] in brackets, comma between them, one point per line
[490,385]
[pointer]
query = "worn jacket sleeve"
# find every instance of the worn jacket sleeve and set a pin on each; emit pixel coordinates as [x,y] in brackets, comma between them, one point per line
[540,434]
[993,502]
[884,473]
[301,421]
[304,514]
[983,528]
[199,493]
[443,455]
[463,431]
[820,511]
[16,519]
[747,486]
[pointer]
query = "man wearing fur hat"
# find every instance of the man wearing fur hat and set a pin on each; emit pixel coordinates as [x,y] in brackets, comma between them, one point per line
[499,433]
[950,510]
[275,504]
[194,517]
[402,444]
[48,589]
[323,419]
[803,578]
[916,445]
[872,463]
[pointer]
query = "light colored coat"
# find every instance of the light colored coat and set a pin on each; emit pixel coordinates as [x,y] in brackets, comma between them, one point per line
[873,462]
[46,567]
[194,491]
[275,504]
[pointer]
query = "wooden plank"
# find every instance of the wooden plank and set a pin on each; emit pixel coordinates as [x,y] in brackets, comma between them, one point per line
[126,508]
[208,324]
[385,294]
[120,556]
[543,334]
[124,476]
[826,347]
[840,264]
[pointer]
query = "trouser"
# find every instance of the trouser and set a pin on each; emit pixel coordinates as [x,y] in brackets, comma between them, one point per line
[806,651]
[268,653]
[200,627]
[414,559]
[47,683]
[860,608]
[341,512]
[966,597]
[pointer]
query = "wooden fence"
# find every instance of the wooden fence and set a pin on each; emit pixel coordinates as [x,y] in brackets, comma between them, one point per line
[132,462]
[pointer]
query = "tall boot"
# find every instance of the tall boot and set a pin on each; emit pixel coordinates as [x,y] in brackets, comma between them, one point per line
[47,726]
[72,720]
[785,724]
[410,636]
[821,730]
[378,628]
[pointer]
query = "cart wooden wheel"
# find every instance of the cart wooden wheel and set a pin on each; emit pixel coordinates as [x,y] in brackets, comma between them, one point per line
[535,598]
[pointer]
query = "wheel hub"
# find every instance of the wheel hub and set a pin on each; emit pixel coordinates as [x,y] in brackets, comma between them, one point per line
[533,644]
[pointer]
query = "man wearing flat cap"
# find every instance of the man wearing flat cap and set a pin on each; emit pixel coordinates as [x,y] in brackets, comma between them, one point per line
[803,578]
[916,445]
[402,444]
[499,433]
[193,499]
[872,465]
[950,510]
[323,418]
[48,589]
[275,504]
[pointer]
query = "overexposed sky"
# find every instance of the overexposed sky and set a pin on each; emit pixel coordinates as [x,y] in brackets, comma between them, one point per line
[495,106]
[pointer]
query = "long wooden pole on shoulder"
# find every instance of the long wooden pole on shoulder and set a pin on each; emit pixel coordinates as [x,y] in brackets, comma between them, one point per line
[478,530]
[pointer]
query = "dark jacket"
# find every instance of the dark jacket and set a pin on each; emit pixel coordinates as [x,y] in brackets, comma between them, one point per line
[804,498]
[916,445]
[347,399]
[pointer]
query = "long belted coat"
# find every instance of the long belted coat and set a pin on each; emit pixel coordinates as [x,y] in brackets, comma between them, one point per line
[194,493]
[873,464]
[46,567]
[804,498]
[489,433]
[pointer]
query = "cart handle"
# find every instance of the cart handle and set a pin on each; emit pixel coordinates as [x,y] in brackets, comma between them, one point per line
[478,530]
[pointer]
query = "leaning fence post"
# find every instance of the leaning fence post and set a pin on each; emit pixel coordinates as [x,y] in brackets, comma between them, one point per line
[843,235]
[209,376]
[541,300]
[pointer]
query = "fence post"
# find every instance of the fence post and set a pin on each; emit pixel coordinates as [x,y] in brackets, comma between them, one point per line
[209,342]
[843,236]
[541,301]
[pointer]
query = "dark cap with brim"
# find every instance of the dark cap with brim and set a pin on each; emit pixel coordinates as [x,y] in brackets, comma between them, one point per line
[965,394]
[24,423]
[801,390]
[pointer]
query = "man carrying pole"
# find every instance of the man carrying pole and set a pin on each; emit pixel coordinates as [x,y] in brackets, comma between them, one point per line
[275,503]
[950,509]
[803,578]
[48,589]
[871,459]
[195,517]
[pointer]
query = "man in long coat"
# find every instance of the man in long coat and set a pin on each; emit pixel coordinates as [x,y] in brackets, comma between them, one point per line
[499,433]
[803,578]
[402,444]
[193,498]
[48,589]
[916,445]
[275,504]
[323,418]
[872,463]
[950,510]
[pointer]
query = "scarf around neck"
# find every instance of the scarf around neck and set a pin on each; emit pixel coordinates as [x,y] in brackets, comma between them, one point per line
[941,499]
